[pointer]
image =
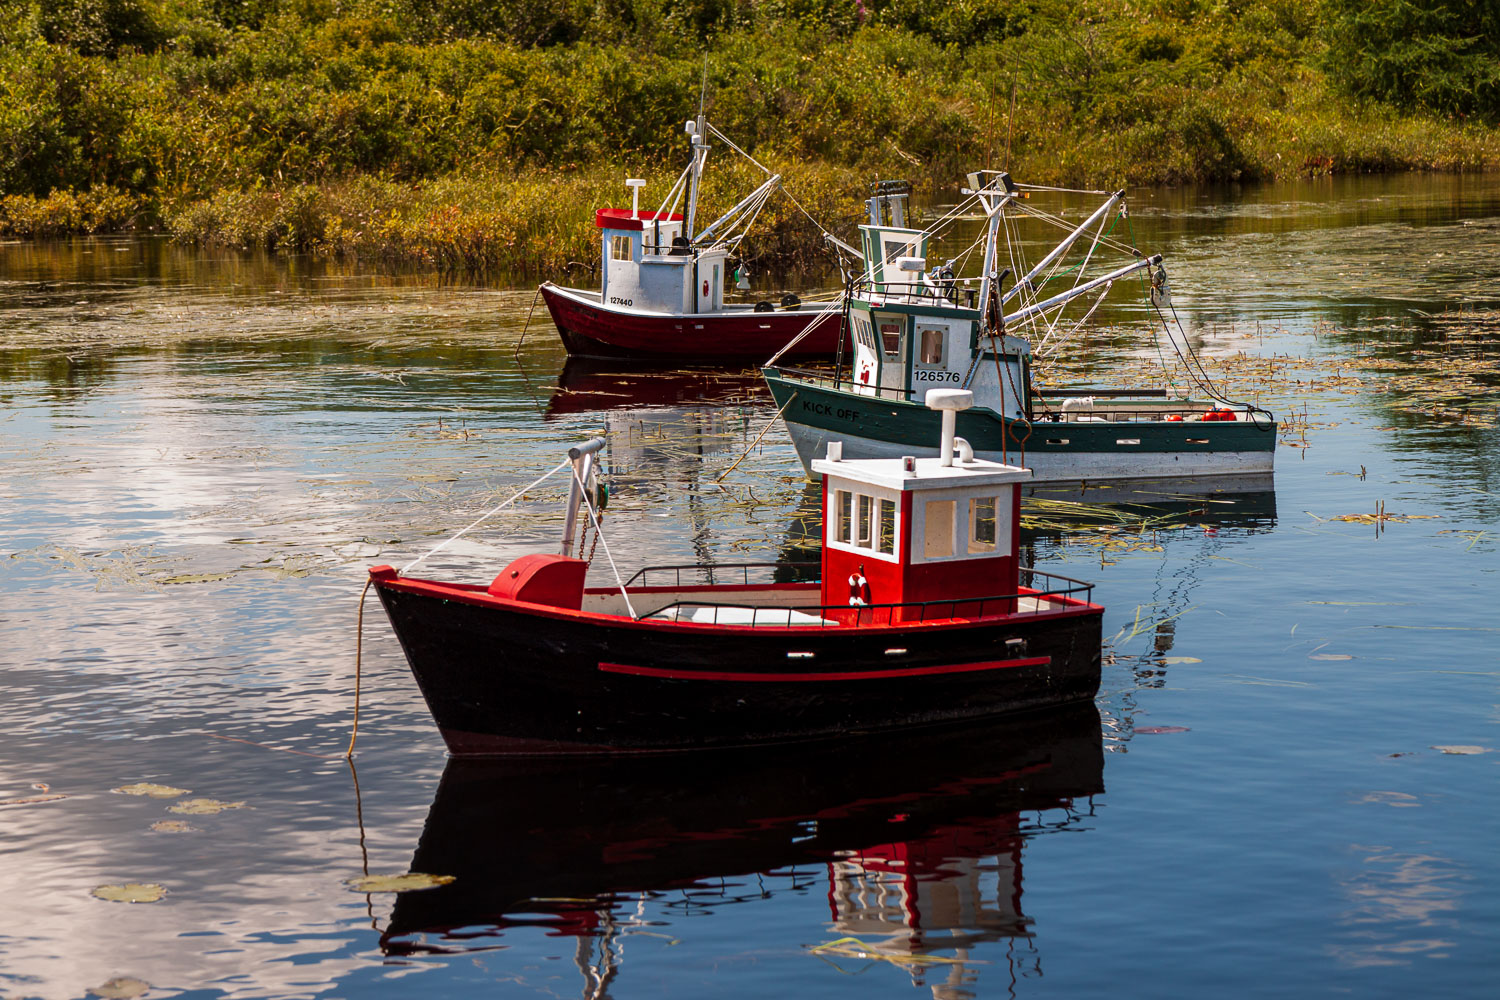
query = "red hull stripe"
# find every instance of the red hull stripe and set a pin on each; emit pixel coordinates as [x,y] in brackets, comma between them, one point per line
[841,675]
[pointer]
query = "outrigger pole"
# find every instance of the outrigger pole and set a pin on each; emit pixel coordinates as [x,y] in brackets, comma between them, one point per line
[1078,290]
[1061,248]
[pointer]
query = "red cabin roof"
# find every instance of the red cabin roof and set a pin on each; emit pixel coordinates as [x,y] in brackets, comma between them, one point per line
[619,218]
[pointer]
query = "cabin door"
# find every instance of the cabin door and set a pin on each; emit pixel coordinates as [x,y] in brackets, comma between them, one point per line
[865,370]
[891,338]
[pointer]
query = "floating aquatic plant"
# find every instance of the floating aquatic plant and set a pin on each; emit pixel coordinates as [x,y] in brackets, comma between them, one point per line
[409,882]
[121,988]
[154,791]
[130,892]
[1463,750]
[203,807]
[173,826]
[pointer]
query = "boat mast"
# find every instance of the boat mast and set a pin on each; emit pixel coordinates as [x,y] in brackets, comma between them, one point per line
[698,129]
[994,200]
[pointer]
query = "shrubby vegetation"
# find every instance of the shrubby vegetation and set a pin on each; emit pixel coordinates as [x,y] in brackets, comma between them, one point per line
[484,130]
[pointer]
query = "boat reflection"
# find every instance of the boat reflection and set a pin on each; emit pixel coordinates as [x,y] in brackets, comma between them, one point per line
[918,837]
[586,385]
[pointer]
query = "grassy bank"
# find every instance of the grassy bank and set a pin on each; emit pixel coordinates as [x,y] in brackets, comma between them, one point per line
[466,135]
[537,222]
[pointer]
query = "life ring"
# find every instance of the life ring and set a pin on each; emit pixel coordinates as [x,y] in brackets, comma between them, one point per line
[859,588]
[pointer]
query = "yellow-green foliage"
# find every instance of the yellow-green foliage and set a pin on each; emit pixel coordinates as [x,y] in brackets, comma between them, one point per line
[539,221]
[457,131]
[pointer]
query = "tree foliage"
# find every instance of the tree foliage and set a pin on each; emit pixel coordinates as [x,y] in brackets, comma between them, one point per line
[1442,55]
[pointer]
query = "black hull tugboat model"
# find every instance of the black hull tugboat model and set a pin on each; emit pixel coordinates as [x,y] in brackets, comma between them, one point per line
[921,617]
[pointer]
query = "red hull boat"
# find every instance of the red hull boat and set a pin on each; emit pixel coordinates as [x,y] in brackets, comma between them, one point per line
[923,615]
[591,329]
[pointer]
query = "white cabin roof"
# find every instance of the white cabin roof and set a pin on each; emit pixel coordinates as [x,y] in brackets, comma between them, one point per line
[930,473]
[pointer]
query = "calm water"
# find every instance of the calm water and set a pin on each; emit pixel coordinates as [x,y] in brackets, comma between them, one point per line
[200,455]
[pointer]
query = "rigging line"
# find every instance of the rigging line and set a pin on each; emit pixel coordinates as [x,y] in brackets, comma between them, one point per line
[837,305]
[1061,223]
[1043,187]
[672,195]
[485,517]
[837,243]
[730,143]
[588,505]
[1076,326]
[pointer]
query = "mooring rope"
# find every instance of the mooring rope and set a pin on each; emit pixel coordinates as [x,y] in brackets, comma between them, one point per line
[359,635]
[758,437]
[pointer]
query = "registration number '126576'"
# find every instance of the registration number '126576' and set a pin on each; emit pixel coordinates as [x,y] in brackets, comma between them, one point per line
[927,376]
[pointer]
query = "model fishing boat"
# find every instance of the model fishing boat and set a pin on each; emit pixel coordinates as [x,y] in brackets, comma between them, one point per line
[662,291]
[915,327]
[922,615]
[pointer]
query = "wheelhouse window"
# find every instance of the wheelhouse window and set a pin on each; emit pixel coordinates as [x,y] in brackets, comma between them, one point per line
[890,340]
[983,527]
[930,347]
[619,247]
[937,530]
[862,333]
[861,521]
[887,539]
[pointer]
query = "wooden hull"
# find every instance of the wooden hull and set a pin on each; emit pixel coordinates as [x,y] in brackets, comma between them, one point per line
[589,329]
[503,677]
[872,427]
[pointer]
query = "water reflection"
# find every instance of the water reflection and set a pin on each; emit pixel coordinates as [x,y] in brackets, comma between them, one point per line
[917,840]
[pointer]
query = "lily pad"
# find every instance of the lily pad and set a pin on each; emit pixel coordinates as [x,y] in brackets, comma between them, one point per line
[121,988]
[154,791]
[173,826]
[410,882]
[1330,656]
[203,807]
[130,892]
[1169,660]
[1463,750]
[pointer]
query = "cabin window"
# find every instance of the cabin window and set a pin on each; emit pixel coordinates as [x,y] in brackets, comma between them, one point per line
[863,523]
[862,334]
[887,527]
[895,249]
[930,349]
[890,340]
[983,512]
[619,247]
[937,534]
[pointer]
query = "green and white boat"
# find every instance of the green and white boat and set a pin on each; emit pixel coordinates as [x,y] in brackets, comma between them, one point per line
[914,329]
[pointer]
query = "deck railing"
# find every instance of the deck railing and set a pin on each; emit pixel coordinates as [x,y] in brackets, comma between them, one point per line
[707,574]
[836,382]
[1048,591]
